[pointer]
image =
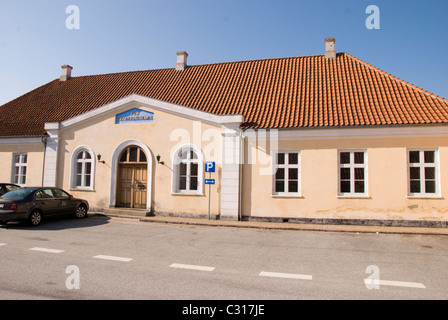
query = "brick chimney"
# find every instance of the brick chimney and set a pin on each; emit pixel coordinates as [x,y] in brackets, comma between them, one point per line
[66,72]
[181,60]
[330,52]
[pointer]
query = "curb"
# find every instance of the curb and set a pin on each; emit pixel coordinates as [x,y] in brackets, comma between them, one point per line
[286,225]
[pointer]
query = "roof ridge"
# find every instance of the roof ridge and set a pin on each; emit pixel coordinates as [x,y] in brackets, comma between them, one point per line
[204,65]
[433,95]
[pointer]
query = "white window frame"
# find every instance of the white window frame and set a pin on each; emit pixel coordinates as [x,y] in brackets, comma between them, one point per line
[176,171]
[352,166]
[287,166]
[75,161]
[422,165]
[23,168]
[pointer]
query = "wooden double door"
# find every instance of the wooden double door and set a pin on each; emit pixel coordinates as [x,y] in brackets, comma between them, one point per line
[133,180]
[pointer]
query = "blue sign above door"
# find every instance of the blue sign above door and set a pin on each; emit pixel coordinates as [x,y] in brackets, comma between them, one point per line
[134,116]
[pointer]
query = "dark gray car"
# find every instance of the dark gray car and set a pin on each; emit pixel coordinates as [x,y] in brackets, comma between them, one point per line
[32,204]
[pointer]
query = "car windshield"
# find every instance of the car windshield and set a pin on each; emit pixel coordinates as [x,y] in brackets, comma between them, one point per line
[18,194]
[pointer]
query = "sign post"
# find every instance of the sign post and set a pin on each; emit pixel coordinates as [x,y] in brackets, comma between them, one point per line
[210,166]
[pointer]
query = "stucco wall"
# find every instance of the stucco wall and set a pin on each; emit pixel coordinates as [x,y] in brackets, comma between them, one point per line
[387,182]
[34,163]
[162,137]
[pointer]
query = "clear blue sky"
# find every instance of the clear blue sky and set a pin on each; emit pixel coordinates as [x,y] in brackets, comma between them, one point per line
[118,35]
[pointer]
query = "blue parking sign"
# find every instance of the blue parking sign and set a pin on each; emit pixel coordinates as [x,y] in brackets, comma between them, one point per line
[210,166]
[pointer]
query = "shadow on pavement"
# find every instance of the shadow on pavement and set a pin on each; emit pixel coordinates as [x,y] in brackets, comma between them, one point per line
[61,223]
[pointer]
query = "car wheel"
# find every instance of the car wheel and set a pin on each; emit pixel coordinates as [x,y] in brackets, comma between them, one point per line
[35,218]
[81,212]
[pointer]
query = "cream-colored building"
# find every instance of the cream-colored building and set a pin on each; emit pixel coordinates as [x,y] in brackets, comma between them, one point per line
[319,139]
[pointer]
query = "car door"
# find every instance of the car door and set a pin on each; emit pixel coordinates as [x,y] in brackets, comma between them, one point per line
[66,204]
[46,201]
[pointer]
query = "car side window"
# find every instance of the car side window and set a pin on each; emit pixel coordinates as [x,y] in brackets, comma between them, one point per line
[58,193]
[10,187]
[44,194]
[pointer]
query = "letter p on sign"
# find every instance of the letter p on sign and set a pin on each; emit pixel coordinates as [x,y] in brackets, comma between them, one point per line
[210,166]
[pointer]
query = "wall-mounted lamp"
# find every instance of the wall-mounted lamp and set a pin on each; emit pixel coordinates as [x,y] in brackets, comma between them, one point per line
[158,160]
[99,158]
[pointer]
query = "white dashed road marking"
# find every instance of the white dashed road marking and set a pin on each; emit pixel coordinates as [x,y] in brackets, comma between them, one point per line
[286,275]
[192,267]
[113,258]
[46,250]
[394,283]
[3,244]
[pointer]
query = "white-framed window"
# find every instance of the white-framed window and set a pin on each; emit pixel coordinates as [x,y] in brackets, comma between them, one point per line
[188,171]
[352,165]
[287,173]
[82,169]
[20,162]
[423,173]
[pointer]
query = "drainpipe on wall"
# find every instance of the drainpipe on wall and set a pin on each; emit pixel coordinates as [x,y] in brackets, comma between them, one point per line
[241,161]
[43,139]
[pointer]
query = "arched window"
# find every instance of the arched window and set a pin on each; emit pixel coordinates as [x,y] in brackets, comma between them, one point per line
[188,171]
[83,164]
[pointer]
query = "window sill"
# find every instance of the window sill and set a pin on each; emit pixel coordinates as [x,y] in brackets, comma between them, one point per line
[82,189]
[297,196]
[354,197]
[187,194]
[425,197]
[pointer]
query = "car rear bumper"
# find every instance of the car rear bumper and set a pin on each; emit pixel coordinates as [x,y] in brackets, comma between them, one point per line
[11,215]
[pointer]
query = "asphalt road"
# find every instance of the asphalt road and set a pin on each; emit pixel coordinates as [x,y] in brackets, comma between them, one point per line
[103,258]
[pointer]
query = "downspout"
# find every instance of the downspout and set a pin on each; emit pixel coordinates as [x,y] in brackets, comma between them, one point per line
[43,139]
[241,161]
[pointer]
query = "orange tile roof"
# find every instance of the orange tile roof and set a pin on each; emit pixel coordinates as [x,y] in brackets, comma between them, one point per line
[292,92]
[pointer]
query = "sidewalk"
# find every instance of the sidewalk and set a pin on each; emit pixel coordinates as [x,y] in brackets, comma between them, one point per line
[285,225]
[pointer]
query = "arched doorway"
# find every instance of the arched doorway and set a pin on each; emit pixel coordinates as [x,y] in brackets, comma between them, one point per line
[132,183]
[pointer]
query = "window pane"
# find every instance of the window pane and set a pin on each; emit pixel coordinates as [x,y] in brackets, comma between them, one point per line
[17,159]
[88,168]
[78,168]
[87,155]
[344,157]
[280,158]
[124,156]
[193,155]
[359,157]
[79,157]
[430,173]
[293,174]
[24,158]
[78,180]
[183,154]
[142,156]
[194,169]
[359,186]
[279,186]
[345,186]
[87,180]
[414,156]
[414,173]
[359,173]
[133,154]
[280,174]
[293,158]
[429,156]
[415,186]
[16,170]
[193,183]
[22,179]
[345,173]
[182,169]
[430,186]
[182,183]
[293,186]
